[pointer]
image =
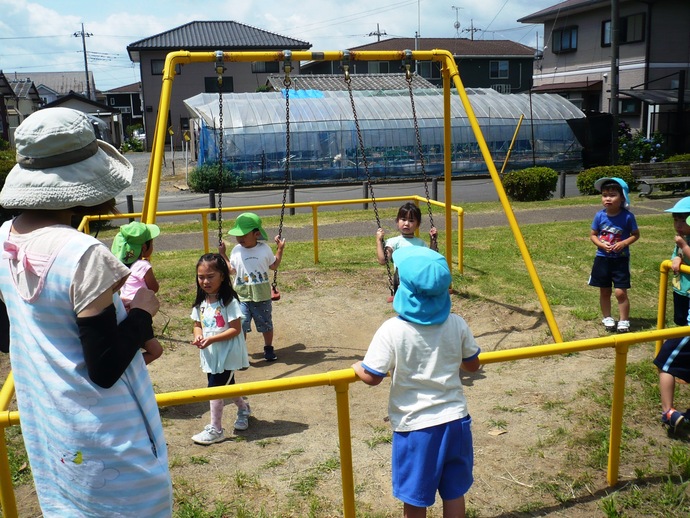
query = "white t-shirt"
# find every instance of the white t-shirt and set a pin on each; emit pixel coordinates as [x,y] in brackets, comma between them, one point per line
[424,362]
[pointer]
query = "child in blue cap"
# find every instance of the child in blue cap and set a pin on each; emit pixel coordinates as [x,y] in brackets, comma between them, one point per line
[673,360]
[613,230]
[424,348]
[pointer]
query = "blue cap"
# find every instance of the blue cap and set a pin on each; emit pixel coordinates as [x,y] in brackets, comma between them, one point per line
[422,296]
[682,206]
[624,186]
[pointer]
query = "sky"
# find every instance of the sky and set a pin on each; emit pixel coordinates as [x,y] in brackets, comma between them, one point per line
[45,35]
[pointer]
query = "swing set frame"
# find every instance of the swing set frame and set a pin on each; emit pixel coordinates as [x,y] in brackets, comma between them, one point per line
[450,76]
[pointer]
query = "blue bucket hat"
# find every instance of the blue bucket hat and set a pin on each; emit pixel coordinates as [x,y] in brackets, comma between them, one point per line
[682,206]
[624,186]
[422,296]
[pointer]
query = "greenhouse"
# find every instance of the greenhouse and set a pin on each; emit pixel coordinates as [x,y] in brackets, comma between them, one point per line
[325,145]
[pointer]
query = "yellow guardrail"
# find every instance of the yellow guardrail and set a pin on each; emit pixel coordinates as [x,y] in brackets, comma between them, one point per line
[314,205]
[340,380]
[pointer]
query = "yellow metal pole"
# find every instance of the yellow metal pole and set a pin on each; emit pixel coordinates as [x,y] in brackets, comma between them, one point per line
[7,498]
[346,472]
[661,308]
[448,167]
[617,414]
[512,143]
[315,224]
[461,238]
[550,320]
[204,228]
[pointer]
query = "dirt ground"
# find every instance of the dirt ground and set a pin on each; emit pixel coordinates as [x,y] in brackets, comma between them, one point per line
[292,440]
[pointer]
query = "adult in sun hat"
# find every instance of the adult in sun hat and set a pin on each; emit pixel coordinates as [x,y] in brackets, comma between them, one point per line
[251,262]
[424,348]
[88,412]
[613,230]
[133,245]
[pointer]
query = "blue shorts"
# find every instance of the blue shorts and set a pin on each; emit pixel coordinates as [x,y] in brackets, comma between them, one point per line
[610,270]
[260,312]
[674,358]
[439,458]
[681,307]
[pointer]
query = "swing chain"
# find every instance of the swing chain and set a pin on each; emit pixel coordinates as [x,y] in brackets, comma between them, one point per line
[220,68]
[287,67]
[360,140]
[408,78]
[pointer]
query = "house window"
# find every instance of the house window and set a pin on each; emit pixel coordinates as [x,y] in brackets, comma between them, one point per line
[378,67]
[211,85]
[629,107]
[498,69]
[157,66]
[429,69]
[265,67]
[564,40]
[630,30]
[112,101]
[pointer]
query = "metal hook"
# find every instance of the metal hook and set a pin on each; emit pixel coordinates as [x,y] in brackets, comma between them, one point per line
[287,67]
[220,66]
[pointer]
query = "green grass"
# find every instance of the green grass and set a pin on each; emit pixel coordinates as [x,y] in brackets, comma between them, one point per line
[494,272]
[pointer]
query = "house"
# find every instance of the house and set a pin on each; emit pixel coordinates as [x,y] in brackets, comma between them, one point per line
[5,92]
[23,102]
[52,85]
[653,60]
[505,66]
[194,78]
[127,100]
[106,119]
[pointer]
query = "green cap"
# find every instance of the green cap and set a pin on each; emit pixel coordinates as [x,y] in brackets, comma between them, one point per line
[131,238]
[245,223]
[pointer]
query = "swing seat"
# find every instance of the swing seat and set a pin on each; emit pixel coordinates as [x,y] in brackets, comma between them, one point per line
[275,294]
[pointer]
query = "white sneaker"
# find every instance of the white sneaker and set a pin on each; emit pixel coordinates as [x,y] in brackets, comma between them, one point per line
[209,435]
[609,323]
[242,421]
[623,326]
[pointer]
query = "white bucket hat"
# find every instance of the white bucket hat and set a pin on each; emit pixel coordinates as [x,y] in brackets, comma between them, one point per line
[61,164]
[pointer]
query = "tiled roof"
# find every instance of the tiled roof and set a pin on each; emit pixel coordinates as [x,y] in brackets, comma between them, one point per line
[328,82]
[61,83]
[457,46]
[563,8]
[25,89]
[126,89]
[216,35]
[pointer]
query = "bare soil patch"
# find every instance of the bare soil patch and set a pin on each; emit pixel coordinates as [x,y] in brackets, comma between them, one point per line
[291,449]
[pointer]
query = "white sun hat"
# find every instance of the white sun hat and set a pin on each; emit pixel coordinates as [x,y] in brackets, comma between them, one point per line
[61,164]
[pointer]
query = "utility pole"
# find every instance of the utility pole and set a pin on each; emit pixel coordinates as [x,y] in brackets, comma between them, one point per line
[85,35]
[377,33]
[471,30]
[614,81]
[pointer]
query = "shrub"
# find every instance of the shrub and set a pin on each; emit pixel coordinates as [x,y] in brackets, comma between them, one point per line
[679,158]
[585,180]
[205,177]
[531,184]
[132,144]
[635,147]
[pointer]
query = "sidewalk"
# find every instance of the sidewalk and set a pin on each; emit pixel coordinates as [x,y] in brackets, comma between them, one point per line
[582,213]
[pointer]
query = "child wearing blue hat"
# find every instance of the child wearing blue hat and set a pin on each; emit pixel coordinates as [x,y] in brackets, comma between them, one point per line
[613,230]
[424,348]
[673,360]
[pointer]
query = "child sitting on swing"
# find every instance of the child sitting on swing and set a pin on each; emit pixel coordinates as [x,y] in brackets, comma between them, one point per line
[408,220]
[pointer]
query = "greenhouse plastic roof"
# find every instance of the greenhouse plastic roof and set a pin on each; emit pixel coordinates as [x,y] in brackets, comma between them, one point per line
[244,110]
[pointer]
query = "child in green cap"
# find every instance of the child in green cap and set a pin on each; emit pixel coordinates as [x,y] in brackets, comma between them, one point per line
[251,261]
[133,245]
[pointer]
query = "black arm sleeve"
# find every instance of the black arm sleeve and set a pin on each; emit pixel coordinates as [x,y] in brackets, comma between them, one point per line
[109,347]
[4,329]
